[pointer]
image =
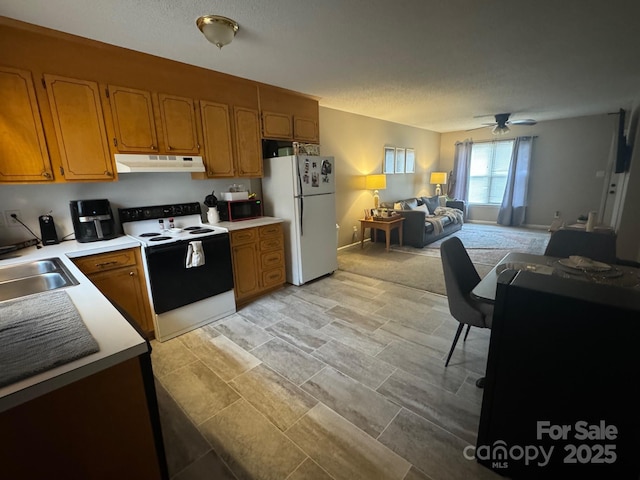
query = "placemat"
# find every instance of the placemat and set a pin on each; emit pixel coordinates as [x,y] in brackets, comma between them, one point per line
[39,332]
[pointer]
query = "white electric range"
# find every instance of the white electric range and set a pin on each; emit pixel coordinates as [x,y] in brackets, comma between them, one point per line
[183,296]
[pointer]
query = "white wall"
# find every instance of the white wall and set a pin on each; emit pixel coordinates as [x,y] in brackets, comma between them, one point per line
[357,143]
[131,190]
[566,156]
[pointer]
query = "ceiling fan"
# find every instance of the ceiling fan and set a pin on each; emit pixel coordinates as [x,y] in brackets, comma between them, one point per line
[501,125]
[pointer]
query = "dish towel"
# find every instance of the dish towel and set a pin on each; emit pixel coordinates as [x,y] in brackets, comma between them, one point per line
[195,254]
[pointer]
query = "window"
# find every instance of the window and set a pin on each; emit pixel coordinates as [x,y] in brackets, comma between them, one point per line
[488,171]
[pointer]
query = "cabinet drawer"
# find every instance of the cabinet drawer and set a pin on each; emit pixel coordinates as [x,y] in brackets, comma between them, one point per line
[273,277]
[246,235]
[270,230]
[272,259]
[274,243]
[105,261]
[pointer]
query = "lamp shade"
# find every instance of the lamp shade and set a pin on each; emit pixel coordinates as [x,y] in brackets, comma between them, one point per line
[375,182]
[438,178]
[218,30]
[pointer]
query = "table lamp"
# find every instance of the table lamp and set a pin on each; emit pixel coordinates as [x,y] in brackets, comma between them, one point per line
[375,183]
[437,179]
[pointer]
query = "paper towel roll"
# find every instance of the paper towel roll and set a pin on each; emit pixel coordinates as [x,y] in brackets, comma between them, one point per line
[591,220]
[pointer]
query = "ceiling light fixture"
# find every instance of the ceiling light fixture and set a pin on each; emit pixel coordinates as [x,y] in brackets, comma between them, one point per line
[500,130]
[218,30]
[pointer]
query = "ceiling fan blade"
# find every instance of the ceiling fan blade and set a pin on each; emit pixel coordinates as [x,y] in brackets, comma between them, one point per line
[525,121]
[478,128]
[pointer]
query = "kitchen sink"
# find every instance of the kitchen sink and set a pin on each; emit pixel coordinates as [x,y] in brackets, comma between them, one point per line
[34,277]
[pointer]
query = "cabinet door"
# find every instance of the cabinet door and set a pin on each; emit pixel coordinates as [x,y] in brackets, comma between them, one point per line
[133,121]
[248,143]
[124,286]
[216,130]
[179,124]
[23,148]
[305,129]
[245,270]
[80,129]
[276,126]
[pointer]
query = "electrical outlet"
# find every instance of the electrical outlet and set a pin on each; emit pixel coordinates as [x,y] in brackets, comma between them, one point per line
[12,222]
[355,228]
[557,214]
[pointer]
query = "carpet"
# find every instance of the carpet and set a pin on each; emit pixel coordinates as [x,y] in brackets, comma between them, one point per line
[421,268]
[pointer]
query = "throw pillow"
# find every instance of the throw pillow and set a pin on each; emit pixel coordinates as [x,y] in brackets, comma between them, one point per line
[442,199]
[397,206]
[422,208]
[432,203]
[411,203]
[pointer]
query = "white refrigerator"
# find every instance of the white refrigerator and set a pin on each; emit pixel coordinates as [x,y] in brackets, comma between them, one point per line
[301,190]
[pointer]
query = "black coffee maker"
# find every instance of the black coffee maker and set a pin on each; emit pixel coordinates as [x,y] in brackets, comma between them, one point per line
[92,220]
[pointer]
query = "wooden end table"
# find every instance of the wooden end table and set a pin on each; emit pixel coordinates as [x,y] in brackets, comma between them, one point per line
[385,226]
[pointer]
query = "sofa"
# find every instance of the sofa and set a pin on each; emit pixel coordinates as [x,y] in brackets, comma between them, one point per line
[423,217]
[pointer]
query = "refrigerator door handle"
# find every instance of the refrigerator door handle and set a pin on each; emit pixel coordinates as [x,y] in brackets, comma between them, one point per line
[301,214]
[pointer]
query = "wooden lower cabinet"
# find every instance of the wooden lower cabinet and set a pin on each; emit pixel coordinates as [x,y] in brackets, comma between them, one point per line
[120,277]
[257,254]
[101,427]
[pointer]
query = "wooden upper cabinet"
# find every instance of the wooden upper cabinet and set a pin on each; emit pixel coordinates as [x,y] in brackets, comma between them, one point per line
[216,133]
[178,124]
[135,128]
[276,126]
[80,129]
[248,144]
[288,115]
[133,120]
[23,149]
[306,129]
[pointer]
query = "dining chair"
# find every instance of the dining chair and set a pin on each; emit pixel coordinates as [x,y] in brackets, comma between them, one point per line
[460,277]
[600,247]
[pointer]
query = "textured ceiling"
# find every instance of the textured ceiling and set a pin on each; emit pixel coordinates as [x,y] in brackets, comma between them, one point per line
[432,64]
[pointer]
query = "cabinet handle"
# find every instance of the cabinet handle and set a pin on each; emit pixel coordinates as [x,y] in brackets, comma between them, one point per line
[104,264]
[153,147]
[169,147]
[46,174]
[108,174]
[131,274]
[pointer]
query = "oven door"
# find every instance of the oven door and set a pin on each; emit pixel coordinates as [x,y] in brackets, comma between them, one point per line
[173,285]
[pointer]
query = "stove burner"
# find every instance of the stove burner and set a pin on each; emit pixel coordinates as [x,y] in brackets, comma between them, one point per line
[192,228]
[200,230]
[149,234]
[158,239]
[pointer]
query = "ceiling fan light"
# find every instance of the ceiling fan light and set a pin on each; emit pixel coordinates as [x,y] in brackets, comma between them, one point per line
[218,30]
[500,130]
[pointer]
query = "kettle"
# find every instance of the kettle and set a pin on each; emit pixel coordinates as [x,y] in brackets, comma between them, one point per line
[212,214]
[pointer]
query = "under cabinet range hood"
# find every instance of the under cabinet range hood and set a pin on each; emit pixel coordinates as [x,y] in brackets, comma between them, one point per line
[134,163]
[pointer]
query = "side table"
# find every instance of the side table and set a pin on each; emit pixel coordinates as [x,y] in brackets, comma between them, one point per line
[385,226]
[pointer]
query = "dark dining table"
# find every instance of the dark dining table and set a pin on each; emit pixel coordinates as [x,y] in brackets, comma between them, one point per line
[617,275]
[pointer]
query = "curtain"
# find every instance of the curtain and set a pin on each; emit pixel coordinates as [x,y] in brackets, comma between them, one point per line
[460,178]
[514,202]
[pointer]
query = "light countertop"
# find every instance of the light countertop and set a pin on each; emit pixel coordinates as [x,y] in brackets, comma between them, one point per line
[117,339]
[254,222]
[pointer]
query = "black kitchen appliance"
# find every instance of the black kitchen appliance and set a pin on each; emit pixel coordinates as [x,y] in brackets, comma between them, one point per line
[234,210]
[92,220]
[48,230]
